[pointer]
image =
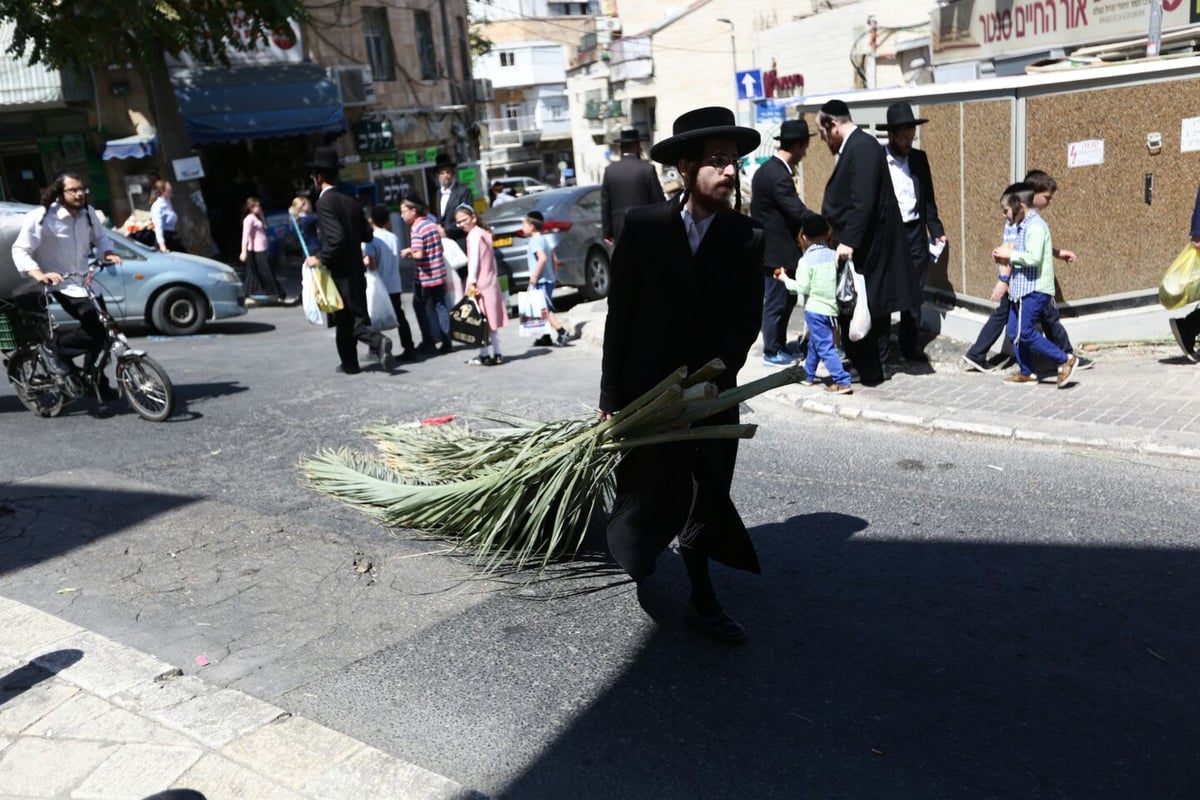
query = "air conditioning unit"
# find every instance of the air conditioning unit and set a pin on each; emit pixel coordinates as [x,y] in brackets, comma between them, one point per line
[484,92]
[608,24]
[355,84]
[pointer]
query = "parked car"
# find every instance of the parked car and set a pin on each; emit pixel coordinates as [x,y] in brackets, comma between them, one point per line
[174,292]
[520,185]
[573,228]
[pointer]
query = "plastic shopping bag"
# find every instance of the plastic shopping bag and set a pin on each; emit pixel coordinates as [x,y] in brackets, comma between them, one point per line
[534,314]
[329,299]
[379,305]
[454,287]
[308,296]
[860,320]
[453,255]
[1181,285]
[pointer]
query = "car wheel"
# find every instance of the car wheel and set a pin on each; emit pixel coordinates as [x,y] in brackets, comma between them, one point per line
[179,311]
[596,275]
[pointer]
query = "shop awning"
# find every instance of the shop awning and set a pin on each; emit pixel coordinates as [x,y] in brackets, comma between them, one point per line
[23,84]
[131,147]
[257,102]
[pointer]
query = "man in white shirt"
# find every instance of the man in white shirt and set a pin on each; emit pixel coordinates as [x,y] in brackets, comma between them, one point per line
[53,247]
[450,195]
[913,184]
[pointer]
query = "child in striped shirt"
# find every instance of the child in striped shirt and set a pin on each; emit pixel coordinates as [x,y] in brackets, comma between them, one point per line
[816,284]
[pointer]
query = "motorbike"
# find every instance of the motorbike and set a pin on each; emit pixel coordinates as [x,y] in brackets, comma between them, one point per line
[45,387]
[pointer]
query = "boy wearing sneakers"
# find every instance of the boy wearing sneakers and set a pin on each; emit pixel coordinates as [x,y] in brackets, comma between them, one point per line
[1030,285]
[541,261]
[816,282]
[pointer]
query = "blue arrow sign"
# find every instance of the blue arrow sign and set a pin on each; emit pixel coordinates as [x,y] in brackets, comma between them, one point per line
[749,84]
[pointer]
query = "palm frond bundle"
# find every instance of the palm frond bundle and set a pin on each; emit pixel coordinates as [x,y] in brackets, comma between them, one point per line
[520,492]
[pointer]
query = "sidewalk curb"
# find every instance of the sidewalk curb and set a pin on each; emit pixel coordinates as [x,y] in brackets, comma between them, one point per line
[191,734]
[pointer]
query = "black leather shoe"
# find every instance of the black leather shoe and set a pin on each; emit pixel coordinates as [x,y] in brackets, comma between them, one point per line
[917,357]
[107,391]
[1185,337]
[343,370]
[386,359]
[719,627]
[446,347]
[410,355]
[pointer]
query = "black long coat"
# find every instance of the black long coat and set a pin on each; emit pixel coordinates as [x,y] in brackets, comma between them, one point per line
[860,204]
[628,183]
[668,308]
[918,166]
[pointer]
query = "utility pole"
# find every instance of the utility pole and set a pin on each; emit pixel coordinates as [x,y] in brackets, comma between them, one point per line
[733,49]
[1154,37]
[873,52]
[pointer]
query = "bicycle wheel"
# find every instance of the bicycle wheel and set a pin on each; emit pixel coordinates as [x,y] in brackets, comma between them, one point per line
[146,386]
[35,385]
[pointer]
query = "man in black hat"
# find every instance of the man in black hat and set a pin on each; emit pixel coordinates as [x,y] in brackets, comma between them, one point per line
[912,181]
[628,182]
[860,204]
[686,288]
[343,230]
[775,204]
[451,194]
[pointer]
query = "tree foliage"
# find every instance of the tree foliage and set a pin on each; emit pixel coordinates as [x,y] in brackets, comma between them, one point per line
[79,33]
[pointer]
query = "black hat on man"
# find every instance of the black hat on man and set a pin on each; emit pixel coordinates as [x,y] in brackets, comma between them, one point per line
[325,158]
[711,122]
[793,130]
[835,108]
[629,136]
[443,160]
[900,115]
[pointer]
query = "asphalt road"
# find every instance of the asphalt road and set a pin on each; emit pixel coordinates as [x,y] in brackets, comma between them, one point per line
[939,616]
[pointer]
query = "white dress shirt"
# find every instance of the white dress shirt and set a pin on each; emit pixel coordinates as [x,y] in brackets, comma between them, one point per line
[902,182]
[695,229]
[60,243]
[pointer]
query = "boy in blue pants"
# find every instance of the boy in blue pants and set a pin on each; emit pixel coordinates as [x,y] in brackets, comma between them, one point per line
[1030,276]
[816,283]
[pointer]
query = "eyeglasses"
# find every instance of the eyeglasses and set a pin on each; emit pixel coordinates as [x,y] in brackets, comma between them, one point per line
[721,161]
[74,190]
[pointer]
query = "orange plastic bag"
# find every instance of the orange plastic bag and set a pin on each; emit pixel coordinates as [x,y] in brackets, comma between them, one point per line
[1181,285]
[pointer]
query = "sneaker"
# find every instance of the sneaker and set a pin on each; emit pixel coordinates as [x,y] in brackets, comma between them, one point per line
[808,382]
[839,388]
[977,365]
[778,360]
[1184,337]
[497,360]
[1083,363]
[386,359]
[1064,371]
[1021,378]
[251,302]
[480,361]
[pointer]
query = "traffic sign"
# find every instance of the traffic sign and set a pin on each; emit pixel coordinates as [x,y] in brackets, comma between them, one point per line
[749,84]
[767,111]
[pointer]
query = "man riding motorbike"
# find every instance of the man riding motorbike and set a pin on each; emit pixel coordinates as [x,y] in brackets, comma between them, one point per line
[53,248]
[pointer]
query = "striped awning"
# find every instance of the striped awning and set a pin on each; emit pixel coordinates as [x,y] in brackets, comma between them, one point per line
[22,84]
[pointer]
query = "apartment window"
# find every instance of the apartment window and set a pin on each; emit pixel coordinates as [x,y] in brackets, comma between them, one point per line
[592,8]
[378,38]
[425,48]
[507,59]
[464,48]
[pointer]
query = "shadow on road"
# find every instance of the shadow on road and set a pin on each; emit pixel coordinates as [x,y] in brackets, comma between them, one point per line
[24,678]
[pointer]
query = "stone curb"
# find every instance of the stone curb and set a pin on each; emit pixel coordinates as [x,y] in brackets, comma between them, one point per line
[222,742]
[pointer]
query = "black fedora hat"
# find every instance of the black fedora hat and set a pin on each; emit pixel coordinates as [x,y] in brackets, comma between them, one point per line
[900,115]
[629,136]
[325,158]
[443,160]
[711,122]
[794,130]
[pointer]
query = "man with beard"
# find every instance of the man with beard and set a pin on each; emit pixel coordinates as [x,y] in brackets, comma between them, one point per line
[860,204]
[451,194]
[912,181]
[686,288]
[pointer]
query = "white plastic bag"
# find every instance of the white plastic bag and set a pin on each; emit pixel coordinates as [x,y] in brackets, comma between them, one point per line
[379,305]
[534,314]
[454,287]
[860,320]
[453,254]
[309,298]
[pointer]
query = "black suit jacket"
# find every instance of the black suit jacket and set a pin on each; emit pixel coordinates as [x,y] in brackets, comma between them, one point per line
[668,308]
[775,204]
[343,228]
[927,213]
[459,195]
[860,204]
[628,183]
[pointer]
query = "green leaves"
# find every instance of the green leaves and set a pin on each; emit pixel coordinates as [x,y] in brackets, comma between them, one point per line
[519,494]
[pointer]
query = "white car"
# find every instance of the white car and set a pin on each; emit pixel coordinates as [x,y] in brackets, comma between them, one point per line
[519,185]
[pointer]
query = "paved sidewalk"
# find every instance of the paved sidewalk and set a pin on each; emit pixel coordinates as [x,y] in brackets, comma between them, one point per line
[1139,398]
[84,717]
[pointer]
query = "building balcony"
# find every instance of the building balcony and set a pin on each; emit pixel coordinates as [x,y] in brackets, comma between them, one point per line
[602,109]
[513,131]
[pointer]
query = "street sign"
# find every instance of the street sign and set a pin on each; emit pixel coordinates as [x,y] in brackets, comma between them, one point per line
[769,112]
[749,84]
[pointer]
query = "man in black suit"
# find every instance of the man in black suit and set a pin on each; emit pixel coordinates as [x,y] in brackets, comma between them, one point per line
[450,195]
[860,204]
[775,204]
[686,288]
[628,183]
[912,181]
[343,229]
